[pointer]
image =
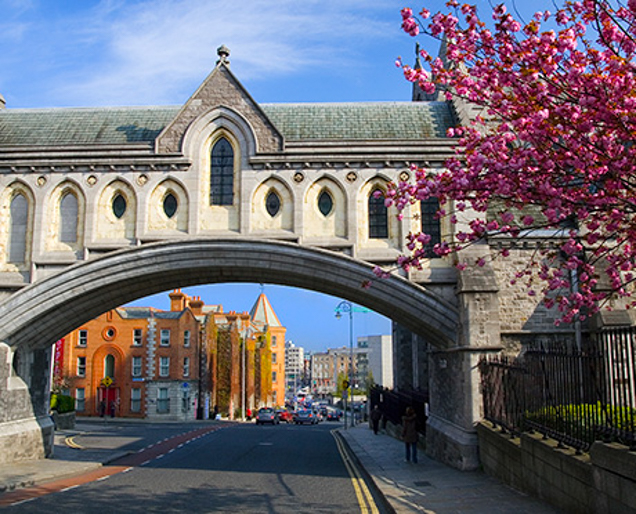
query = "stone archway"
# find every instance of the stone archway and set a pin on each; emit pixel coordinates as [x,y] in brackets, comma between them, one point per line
[36,316]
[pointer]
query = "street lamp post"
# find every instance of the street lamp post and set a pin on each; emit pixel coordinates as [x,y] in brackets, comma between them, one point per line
[346,306]
[244,372]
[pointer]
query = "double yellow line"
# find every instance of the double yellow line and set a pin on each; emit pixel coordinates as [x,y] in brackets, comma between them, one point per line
[70,442]
[365,499]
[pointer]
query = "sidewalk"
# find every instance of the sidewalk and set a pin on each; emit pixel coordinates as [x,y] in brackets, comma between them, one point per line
[430,486]
[424,487]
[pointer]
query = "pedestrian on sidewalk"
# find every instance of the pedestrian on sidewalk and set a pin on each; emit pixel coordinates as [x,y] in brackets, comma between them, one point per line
[409,434]
[376,416]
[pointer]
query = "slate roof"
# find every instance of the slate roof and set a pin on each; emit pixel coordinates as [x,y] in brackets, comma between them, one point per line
[297,122]
[147,312]
[263,314]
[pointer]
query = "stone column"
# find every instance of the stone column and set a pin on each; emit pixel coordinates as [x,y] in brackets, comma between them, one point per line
[455,396]
[26,429]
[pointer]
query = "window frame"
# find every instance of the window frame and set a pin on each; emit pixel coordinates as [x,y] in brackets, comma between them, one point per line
[162,340]
[81,366]
[136,367]
[80,399]
[164,367]
[135,403]
[378,215]
[138,337]
[221,179]
[82,338]
[187,336]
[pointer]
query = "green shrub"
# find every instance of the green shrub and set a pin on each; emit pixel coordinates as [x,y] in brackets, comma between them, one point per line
[62,403]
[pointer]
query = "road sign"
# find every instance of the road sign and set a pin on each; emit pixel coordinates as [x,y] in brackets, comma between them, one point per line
[107,381]
[345,384]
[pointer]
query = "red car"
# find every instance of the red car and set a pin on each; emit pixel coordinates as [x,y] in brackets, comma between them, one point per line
[285,415]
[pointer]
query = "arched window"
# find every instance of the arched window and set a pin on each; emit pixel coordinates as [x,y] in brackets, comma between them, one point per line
[325,203]
[272,203]
[430,224]
[109,366]
[378,219]
[119,206]
[19,213]
[222,173]
[170,205]
[68,218]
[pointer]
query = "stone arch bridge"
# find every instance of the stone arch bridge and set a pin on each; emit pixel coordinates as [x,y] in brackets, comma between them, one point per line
[99,206]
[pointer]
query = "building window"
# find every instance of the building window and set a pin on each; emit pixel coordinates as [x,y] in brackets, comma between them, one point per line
[82,338]
[222,173]
[136,366]
[68,218]
[273,376]
[80,399]
[163,402]
[19,213]
[378,218]
[273,340]
[325,203]
[119,206]
[170,205]
[138,337]
[164,366]
[430,225]
[186,338]
[186,366]
[135,400]
[274,358]
[109,366]
[165,337]
[81,366]
[272,204]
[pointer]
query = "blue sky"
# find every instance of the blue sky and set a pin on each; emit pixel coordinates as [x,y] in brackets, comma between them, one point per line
[156,52]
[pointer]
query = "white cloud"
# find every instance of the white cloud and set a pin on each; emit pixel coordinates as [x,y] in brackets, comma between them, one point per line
[157,51]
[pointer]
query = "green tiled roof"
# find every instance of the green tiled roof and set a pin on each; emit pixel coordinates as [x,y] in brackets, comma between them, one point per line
[382,120]
[107,126]
[297,122]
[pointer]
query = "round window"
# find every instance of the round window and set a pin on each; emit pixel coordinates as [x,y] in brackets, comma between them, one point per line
[119,206]
[170,205]
[109,333]
[272,204]
[325,203]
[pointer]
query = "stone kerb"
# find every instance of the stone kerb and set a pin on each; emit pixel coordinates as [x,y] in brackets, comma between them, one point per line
[60,303]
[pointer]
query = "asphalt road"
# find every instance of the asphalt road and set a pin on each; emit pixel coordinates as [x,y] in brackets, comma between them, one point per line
[243,468]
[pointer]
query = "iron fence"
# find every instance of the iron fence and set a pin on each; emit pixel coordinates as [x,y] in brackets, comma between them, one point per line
[573,395]
[393,405]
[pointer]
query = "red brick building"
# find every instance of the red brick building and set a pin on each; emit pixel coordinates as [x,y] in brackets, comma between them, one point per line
[173,365]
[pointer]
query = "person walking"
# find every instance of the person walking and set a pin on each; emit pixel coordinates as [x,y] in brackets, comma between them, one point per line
[409,434]
[376,416]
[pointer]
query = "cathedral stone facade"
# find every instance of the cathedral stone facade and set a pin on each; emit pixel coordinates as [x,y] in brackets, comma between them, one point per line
[99,206]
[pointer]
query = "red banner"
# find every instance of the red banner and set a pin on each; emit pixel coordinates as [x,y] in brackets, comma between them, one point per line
[58,361]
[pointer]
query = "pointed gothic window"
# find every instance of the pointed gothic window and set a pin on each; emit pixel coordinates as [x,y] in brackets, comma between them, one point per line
[430,224]
[272,203]
[68,218]
[19,213]
[222,173]
[378,218]
[170,205]
[119,206]
[109,366]
[325,203]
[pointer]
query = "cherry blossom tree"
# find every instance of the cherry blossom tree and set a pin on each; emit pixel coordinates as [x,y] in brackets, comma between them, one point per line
[552,152]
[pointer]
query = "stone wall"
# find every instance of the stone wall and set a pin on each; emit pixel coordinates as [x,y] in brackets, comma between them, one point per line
[603,481]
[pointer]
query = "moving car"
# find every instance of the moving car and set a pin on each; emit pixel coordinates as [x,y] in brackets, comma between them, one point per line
[267,415]
[333,415]
[285,415]
[305,416]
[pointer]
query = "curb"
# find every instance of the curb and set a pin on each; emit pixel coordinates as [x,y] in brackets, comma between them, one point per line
[377,492]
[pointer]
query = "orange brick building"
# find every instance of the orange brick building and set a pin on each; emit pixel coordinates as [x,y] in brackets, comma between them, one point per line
[173,365]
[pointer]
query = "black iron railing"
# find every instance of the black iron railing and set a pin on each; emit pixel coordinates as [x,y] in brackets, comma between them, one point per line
[393,405]
[575,396]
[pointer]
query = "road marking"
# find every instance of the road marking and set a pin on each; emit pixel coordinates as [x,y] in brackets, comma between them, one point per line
[365,499]
[69,488]
[70,442]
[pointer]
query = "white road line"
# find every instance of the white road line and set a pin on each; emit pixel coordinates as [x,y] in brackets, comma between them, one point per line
[69,488]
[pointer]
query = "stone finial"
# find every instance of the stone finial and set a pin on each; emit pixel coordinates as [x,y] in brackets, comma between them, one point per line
[223,53]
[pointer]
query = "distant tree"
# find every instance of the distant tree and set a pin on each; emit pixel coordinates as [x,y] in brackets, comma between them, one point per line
[553,149]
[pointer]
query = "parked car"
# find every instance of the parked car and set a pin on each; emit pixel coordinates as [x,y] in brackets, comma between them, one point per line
[305,416]
[267,415]
[285,415]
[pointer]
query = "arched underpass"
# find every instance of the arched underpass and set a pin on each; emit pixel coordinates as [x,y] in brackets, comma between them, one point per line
[38,315]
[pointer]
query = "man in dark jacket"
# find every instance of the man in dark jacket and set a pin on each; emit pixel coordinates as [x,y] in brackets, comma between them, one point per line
[409,434]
